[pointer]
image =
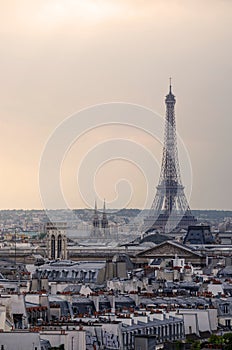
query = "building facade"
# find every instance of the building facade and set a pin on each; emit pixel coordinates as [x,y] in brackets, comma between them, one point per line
[56,240]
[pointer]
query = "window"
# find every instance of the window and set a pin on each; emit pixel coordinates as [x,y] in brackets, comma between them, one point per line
[226,308]
[53,247]
[59,249]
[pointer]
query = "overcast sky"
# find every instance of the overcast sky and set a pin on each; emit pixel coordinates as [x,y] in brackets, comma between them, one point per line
[58,57]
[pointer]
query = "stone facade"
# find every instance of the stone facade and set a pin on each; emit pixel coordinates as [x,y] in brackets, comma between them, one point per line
[56,241]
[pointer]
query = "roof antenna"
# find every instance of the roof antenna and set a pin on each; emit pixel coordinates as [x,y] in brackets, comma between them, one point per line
[170,85]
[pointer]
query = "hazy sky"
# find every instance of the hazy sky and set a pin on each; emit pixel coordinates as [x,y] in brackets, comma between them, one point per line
[58,57]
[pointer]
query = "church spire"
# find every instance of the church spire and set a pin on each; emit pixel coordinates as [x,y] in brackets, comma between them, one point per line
[95,218]
[104,222]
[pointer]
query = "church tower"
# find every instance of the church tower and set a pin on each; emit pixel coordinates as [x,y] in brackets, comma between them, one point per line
[96,222]
[100,227]
[104,221]
[56,240]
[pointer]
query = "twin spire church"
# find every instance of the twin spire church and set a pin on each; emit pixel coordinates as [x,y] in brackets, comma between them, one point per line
[100,226]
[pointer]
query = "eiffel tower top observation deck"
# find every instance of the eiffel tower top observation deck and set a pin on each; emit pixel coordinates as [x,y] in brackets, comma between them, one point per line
[170,210]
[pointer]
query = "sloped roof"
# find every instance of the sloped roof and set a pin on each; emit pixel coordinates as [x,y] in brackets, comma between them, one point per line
[169,249]
[156,238]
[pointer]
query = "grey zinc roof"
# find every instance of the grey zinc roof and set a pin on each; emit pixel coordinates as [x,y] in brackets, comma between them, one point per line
[70,271]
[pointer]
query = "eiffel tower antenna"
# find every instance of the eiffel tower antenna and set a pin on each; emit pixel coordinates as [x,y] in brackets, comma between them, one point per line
[170,210]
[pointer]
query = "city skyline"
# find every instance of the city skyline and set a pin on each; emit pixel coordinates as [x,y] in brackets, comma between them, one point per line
[60,58]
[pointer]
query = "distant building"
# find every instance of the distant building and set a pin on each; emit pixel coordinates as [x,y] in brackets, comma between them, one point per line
[224,308]
[100,228]
[199,234]
[156,328]
[171,249]
[155,237]
[70,272]
[21,340]
[56,240]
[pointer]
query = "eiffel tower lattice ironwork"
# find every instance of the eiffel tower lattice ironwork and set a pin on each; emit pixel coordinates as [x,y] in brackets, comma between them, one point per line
[170,210]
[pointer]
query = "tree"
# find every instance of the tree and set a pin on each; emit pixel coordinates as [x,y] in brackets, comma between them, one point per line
[216,339]
[196,345]
[227,341]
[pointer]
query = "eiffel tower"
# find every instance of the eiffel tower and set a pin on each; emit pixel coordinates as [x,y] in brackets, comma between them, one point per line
[170,210]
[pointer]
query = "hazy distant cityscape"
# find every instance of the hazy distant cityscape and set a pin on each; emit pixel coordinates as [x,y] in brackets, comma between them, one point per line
[125,279]
[34,220]
[115,104]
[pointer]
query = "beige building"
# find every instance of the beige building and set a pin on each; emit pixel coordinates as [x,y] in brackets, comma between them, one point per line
[56,240]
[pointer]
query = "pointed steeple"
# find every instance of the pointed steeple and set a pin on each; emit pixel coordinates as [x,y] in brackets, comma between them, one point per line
[96,222]
[104,221]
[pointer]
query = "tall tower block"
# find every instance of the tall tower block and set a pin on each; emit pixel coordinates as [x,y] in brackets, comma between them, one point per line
[170,210]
